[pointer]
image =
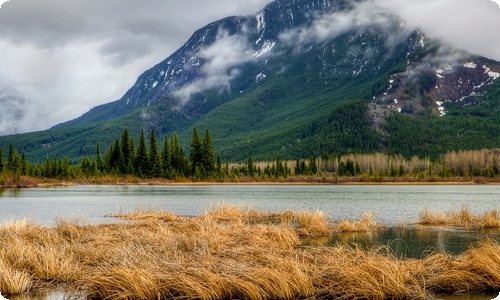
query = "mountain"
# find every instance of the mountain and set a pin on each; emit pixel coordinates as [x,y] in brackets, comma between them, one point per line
[301,78]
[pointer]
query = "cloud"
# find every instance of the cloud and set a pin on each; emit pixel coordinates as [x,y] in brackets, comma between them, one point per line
[331,25]
[220,63]
[465,24]
[65,57]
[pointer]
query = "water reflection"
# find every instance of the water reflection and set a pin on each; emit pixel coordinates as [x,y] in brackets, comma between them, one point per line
[413,242]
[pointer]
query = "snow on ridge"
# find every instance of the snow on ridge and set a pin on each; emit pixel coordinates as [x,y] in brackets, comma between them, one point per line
[470,65]
[266,47]
[260,76]
[493,75]
[261,22]
[439,72]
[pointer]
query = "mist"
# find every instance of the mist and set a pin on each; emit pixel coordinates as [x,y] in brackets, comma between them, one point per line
[59,59]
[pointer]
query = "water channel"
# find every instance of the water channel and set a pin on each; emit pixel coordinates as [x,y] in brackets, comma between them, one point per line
[390,204]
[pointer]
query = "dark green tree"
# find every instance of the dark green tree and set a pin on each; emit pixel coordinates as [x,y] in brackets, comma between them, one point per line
[99,164]
[218,165]
[165,158]
[178,161]
[141,158]
[207,153]
[154,156]
[84,167]
[13,164]
[195,153]
[1,160]
[250,166]
[114,157]
[126,161]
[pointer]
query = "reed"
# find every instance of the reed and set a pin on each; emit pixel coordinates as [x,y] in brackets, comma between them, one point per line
[365,223]
[488,219]
[242,255]
[13,281]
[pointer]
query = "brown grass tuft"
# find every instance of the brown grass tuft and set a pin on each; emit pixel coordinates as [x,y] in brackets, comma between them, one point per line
[246,254]
[489,219]
[366,223]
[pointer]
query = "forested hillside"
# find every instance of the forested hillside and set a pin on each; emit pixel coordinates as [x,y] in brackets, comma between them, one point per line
[272,85]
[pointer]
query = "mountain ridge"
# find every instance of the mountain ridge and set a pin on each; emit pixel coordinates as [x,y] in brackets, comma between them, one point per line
[277,83]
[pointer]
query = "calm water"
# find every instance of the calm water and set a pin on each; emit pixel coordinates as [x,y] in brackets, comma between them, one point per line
[391,205]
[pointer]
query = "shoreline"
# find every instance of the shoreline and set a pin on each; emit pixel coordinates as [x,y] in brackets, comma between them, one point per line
[28,182]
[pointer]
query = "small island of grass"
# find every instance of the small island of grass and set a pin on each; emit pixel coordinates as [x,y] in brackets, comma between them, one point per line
[229,252]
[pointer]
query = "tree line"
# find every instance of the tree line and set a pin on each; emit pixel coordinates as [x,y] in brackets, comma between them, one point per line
[147,158]
[123,157]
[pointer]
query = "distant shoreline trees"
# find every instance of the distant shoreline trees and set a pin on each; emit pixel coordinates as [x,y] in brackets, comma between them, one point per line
[149,159]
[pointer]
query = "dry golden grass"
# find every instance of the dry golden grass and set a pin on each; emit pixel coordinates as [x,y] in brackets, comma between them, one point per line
[488,219]
[227,253]
[365,223]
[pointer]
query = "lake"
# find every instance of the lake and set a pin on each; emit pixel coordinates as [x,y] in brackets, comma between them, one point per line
[391,205]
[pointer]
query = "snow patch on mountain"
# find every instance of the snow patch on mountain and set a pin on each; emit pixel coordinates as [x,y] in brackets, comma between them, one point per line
[470,65]
[266,47]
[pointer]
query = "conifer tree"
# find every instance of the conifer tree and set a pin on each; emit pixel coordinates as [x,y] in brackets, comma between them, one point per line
[165,158]
[126,162]
[65,166]
[99,164]
[84,167]
[114,157]
[195,154]
[132,154]
[207,152]
[154,156]
[1,160]
[177,158]
[141,159]
[12,160]
[219,164]
[250,166]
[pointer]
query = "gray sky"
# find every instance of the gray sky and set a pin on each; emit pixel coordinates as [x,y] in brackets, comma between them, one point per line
[60,58]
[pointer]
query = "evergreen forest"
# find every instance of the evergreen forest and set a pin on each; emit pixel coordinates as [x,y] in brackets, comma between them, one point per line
[130,160]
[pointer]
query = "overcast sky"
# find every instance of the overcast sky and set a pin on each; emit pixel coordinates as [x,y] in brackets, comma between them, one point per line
[59,58]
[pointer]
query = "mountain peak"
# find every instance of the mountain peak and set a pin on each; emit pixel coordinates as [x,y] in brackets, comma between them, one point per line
[301,77]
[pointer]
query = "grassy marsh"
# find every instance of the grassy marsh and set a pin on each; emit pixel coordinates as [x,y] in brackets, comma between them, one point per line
[228,252]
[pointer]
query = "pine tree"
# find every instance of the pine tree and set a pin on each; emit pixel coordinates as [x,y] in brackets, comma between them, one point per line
[207,153]
[250,166]
[115,157]
[313,167]
[154,156]
[65,166]
[165,158]
[98,159]
[12,159]
[180,164]
[195,153]
[126,161]
[141,159]
[84,167]
[1,160]
[219,164]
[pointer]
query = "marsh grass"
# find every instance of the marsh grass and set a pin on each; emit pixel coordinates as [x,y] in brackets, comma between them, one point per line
[464,217]
[365,223]
[227,253]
